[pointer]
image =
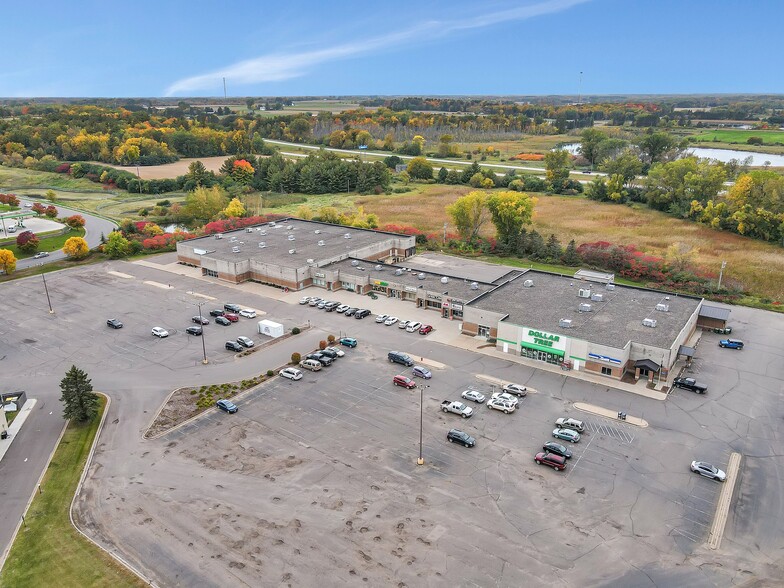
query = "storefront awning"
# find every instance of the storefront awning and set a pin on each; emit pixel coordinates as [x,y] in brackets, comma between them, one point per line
[647,364]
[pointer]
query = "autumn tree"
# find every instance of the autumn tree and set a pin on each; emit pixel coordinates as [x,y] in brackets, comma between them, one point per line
[656,145]
[206,203]
[27,241]
[234,209]
[7,261]
[557,164]
[116,245]
[51,211]
[242,172]
[80,403]
[469,213]
[510,211]
[329,214]
[39,208]
[615,189]
[628,164]
[51,195]
[590,139]
[76,248]
[420,168]
[75,221]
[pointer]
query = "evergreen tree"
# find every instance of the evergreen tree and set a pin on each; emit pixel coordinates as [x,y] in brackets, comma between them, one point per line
[570,256]
[536,248]
[81,403]
[442,175]
[469,172]
[554,250]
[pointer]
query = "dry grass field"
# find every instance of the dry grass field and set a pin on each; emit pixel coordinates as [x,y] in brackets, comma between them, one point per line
[757,266]
[169,170]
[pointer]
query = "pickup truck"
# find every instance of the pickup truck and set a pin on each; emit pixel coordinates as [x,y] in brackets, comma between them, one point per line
[457,408]
[690,384]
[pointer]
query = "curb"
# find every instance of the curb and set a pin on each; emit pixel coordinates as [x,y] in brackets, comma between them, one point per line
[82,478]
[607,413]
[725,499]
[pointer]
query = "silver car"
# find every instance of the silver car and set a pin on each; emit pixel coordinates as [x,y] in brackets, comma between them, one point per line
[474,396]
[708,470]
[515,389]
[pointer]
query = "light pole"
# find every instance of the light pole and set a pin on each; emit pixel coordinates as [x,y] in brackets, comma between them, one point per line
[201,326]
[421,460]
[721,273]
[46,289]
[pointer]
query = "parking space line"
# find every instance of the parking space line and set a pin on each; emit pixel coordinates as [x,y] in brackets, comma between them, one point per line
[685,535]
[576,463]
[695,522]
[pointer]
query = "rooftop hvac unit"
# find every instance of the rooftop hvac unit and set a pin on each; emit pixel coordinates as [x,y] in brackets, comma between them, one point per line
[663,307]
[292,251]
[318,231]
[379,268]
[354,262]
[444,280]
[263,232]
[597,297]
[289,228]
[666,297]
[398,272]
[321,243]
[262,245]
[610,287]
[272,223]
[421,276]
[347,236]
[408,269]
[311,261]
[232,240]
[248,230]
[528,284]
[584,293]
[474,286]
[565,323]
[291,237]
[585,308]
[258,228]
[218,236]
[235,249]
[649,322]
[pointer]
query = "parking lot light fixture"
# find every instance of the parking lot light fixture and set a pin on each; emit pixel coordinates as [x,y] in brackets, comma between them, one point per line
[49,300]
[201,324]
[421,460]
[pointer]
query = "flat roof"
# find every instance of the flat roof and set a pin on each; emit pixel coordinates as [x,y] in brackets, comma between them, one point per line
[452,265]
[456,287]
[612,322]
[307,235]
[715,312]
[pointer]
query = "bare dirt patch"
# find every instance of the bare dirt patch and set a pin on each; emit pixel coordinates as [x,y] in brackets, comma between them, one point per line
[170,170]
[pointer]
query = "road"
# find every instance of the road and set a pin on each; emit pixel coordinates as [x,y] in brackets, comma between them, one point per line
[94,227]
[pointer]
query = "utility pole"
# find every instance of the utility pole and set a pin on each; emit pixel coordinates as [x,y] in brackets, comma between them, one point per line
[46,289]
[721,273]
[444,234]
[201,326]
[421,460]
[224,90]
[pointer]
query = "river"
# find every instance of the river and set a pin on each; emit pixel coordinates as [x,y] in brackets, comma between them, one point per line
[757,159]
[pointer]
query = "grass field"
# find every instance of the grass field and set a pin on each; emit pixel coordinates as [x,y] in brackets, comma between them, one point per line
[740,136]
[8,208]
[47,243]
[755,265]
[48,551]
[12,179]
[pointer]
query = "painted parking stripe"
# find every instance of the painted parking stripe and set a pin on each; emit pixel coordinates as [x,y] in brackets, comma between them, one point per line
[693,539]
[695,522]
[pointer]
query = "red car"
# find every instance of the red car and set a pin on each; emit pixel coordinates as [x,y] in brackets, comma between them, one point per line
[425,329]
[232,317]
[557,462]
[404,381]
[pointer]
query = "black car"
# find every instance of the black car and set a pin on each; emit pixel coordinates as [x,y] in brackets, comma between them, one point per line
[329,353]
[351,311]
[457,436]
[200,320]
[114,323]
[362,313]
[324,360]
[193,330]
[558,449]
[233,346]
[222,320]
[235,308]
[217,312]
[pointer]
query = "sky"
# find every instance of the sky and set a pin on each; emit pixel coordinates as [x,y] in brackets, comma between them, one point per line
[156,48]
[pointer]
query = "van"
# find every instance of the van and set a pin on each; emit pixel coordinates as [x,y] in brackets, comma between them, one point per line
[399,357]
[310,364]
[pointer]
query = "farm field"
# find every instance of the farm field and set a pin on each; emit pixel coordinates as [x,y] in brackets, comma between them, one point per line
[739,136]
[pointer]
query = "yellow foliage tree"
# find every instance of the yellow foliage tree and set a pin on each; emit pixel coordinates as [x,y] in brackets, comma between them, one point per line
[76,248]
[152,230]
[7,261]
[235,208]
[304,212]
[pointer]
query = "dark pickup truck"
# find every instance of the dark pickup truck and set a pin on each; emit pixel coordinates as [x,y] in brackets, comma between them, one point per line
[690,384]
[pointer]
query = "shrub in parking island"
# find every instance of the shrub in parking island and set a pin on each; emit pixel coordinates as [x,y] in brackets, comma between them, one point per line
[331,339]
[295,358]
[295,331]
[322,345]
[270,373]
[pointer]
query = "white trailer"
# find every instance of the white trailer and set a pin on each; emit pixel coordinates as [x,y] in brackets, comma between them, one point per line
[271,329]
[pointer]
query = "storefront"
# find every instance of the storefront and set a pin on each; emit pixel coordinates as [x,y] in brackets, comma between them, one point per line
[542,346]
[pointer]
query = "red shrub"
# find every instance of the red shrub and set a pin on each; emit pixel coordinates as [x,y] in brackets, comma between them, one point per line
[63,168]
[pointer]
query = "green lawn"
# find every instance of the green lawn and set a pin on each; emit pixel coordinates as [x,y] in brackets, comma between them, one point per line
[10,416]
[739,136]
[47,243]
[48,551]
[8,208]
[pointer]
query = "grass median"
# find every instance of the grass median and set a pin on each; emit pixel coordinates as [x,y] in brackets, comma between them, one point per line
[48,551]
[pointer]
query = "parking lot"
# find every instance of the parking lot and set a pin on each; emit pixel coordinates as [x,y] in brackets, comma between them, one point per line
[315,481]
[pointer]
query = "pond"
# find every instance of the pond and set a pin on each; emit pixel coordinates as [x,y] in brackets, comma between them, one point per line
[757,159]
[174,227]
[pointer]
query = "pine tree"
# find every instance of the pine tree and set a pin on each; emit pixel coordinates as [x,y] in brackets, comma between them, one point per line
[442,175]
[554,250]
[537,249]
[81,403]
[570,256]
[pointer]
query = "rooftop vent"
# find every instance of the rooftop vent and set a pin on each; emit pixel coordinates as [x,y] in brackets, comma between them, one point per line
[666,297]
[347,236]
[474,286]
[663,307]
[263,232]
[233,239]
[292,251]
[585,308]
[318,231]
[291,237]
[235,249]
[362,269]
[289,228]
[311,261]
[321,243]
[258,228]
[444,280]
[248,230]
[528,284]
[218,236]
[354,262]
[262,245]
[398,272]
[565,323]
[379,268]
[610,287]
[649,322]
[584,293]
[272,223]
[421,276]
[597,297]
[408,269]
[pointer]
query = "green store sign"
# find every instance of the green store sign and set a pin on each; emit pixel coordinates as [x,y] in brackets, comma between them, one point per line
[542,339]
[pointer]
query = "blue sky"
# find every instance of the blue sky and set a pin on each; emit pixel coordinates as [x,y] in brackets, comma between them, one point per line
[298,47]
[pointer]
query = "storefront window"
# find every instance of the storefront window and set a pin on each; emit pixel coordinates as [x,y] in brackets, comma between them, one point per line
[319,282]
[209,272]
[347,286]
[541,355]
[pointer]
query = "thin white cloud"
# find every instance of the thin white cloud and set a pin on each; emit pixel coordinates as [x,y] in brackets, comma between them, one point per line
[275,67]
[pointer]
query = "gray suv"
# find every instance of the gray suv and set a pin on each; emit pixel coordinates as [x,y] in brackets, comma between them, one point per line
[399,357]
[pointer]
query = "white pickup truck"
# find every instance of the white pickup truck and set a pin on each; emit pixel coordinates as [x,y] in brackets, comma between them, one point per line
[457,408]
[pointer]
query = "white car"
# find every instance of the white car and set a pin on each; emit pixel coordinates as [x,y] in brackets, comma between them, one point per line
[708,470]
[291,373]
[336,351]
[245,342]
[41,254]
[515,389]
[391,321]
[304,300]
[248,313]
[413,327]
[314,301]
[473,395]
[513,400]
[160,332]
[381,318]
[502,405]
[342,308]
[402,324]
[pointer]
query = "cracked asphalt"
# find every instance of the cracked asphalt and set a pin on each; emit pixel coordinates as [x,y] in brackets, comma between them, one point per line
[316,482]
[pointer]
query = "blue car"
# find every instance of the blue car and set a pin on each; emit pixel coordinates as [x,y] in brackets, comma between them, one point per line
[227,405]
[348,342]
[731,343]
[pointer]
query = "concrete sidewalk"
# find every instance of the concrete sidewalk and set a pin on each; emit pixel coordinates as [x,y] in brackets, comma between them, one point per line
[610,414]
[20,419]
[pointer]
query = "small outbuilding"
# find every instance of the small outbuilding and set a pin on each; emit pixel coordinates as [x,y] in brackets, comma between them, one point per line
[271,329]
[713,317]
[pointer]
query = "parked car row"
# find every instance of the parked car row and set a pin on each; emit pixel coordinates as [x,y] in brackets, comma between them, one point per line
[409,326]
[325,357]
[331,305]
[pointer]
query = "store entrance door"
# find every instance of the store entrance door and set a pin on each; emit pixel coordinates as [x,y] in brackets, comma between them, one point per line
[483,331]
